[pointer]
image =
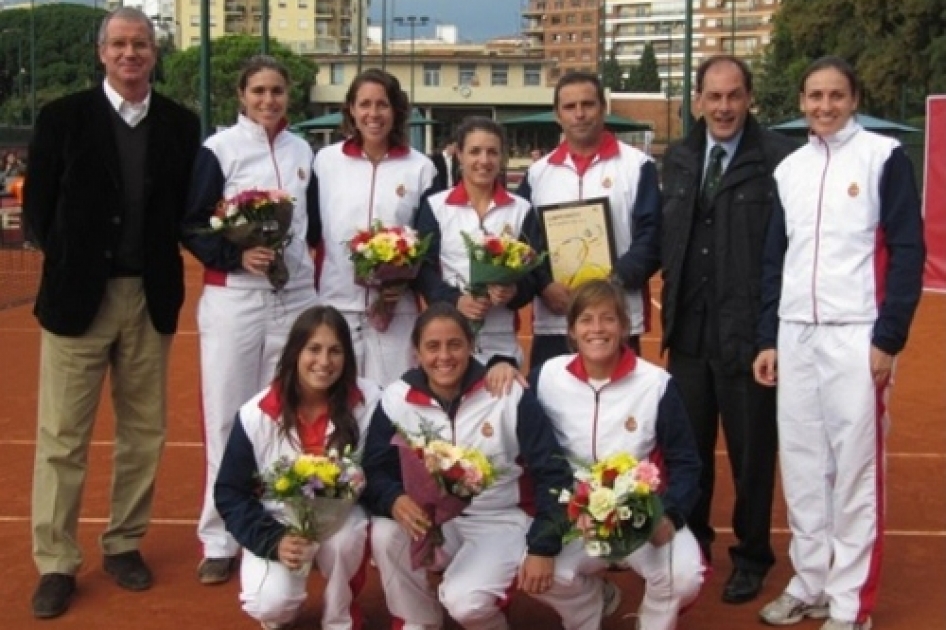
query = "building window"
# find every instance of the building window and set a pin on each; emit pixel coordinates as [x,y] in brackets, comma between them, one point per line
[467,74]
[586,37]
[303,4]
[283,25]
[432,74]
[570,18]
[532,74]
[556,20]
[338,74]
[585,55]
[303,25]
[499,74]
[586,18]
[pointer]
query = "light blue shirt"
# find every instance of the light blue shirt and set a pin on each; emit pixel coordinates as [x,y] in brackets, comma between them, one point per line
[729,146]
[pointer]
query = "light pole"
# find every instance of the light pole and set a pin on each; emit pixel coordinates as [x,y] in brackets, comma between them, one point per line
[413,21]
[384,34]
[264,28]
[669,27]
[732,27]
[32,63]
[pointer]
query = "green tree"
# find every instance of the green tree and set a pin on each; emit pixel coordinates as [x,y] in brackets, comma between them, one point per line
[611,73]
[898,50]
[182,76]
[644,77]
[66,59]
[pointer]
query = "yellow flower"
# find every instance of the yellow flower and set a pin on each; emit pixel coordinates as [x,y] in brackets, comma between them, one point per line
[304,466]
[326,471]
[620,463]
[282,484]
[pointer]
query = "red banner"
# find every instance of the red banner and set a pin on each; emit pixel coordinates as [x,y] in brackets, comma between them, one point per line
[934,194]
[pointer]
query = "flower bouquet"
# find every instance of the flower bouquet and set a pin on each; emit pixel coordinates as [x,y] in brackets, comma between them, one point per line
[315,494]
[385,256]
[258,218]
[497,259]
[613,506]
[441,478]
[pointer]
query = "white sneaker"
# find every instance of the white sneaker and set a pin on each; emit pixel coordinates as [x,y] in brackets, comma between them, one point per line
[788,609]
[834,624]
[610,598]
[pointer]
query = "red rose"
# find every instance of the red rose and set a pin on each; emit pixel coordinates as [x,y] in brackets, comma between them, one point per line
[494,246]
[608,477]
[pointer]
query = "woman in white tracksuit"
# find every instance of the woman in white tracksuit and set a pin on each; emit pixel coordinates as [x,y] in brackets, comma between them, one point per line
[605,400]
[477,204]
[316,403]
[373,175]
[242,321]
[495,540]
[842,277]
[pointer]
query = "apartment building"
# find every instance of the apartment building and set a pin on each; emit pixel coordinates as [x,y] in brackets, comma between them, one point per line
[580,34]
[305,26]
[567,32]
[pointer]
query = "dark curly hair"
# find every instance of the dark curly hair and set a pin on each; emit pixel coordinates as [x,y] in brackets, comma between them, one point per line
[400,105]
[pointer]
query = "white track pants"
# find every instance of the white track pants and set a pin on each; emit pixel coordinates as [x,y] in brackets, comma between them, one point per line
[242,333]
[273,594]
[382,356]
[485,554]
[673,574]
[832,422]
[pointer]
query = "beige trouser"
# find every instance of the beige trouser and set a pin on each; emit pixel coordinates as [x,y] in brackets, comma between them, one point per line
[123,343]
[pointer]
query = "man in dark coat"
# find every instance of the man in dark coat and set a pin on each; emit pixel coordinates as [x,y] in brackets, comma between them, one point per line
[718,193]
[448,167]
[109,169]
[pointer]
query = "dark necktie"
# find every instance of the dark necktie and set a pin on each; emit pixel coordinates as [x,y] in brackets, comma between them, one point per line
[713,173]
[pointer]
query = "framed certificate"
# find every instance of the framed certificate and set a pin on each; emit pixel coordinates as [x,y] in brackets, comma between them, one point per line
[580,240]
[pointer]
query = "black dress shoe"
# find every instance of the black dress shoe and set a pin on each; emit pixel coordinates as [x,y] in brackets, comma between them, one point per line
[742,586]
[53,595]
[129,570]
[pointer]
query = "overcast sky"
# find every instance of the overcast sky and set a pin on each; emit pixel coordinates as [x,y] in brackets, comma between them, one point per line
[478,20]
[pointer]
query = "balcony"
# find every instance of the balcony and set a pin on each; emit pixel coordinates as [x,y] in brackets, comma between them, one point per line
[324,10]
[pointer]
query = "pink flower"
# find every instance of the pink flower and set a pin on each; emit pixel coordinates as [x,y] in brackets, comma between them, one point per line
[647,474]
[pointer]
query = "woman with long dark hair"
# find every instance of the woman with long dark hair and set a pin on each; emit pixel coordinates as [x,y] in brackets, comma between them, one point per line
[371,176]
[315,404]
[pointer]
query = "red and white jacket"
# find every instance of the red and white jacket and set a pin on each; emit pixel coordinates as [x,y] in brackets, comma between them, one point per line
[353,192]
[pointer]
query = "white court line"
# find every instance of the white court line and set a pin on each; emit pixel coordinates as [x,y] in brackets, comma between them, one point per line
[188,522]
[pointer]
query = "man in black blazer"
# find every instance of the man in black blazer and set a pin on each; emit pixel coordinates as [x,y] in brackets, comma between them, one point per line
[108,173]
[718,194]
[448,167]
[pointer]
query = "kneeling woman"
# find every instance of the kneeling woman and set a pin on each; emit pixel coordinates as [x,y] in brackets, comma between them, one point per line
[486,545]
[315,403]
[605,400]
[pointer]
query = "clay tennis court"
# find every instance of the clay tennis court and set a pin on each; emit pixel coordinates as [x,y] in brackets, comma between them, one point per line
[914,575]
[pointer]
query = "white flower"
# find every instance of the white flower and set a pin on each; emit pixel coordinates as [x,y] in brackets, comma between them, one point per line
[216,223]
[624,512]
[241,220]
[594,548]
[564,496]
[624,484]
[601,503]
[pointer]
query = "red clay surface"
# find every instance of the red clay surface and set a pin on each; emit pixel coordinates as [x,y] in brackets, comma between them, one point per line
[914,576]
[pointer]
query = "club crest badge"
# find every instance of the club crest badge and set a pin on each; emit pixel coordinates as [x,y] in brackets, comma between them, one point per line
[630,424]
[487,429]
[607,182]
[301,173]
[400,191]
[853,190]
